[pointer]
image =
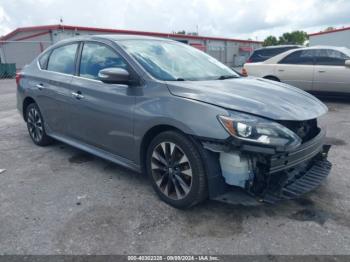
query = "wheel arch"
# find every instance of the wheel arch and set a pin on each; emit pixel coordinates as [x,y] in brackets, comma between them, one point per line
[147,138]
[26,102]
[272,77]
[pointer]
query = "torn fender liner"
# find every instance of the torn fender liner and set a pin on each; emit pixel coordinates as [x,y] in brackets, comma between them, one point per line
[216,182]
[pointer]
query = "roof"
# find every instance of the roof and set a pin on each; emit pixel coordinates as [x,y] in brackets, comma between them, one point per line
[331,31]
[116,37]
[323,47]
[280,46]
[47,28]
[112,37]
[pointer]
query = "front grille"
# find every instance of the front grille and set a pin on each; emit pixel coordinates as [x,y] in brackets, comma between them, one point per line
[306,130]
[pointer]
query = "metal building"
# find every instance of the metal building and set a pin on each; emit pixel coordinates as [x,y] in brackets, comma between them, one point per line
[23,44]
[336,37]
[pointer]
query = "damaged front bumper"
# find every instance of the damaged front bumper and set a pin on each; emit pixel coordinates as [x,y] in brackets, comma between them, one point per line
[265,174]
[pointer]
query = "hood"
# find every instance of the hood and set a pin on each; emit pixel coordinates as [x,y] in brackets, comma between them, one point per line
[256,96]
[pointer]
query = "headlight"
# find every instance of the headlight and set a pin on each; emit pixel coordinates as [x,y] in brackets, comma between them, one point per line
[259,130]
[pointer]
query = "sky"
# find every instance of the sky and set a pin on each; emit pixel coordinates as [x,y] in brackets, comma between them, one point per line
[254,19]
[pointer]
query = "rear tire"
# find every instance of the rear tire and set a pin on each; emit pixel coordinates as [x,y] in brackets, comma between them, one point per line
[36,126]
[176,170]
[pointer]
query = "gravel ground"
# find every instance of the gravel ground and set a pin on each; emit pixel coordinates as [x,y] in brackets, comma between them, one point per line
[60,200]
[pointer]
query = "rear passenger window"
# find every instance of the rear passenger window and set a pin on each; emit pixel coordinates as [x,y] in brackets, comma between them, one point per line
[62,59]
[302,57]
[96,57]
[330,57]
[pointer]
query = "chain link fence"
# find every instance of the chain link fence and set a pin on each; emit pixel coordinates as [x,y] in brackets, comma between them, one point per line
[14,55]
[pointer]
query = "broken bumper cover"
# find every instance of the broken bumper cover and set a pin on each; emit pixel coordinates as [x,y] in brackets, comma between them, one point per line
[283,175]
[302,182]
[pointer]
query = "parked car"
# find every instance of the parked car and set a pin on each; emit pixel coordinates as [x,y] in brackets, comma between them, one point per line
[262,54]
[319,69]
[161,107]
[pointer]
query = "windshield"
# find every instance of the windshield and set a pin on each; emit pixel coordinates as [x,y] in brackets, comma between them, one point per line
[171,61]
[345,51]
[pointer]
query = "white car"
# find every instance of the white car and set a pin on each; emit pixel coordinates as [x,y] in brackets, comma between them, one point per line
[317,69]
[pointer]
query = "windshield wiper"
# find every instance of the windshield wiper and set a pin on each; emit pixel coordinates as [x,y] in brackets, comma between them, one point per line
[223,77]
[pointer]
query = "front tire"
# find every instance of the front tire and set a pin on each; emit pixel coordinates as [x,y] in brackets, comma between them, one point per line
[176,169]
[36,127]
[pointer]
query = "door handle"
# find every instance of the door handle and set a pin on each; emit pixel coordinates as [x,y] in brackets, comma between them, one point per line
[40,86]
[77,95]
[280,70]
[321,71]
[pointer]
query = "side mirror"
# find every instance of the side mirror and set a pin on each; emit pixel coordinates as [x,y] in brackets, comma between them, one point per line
[347,63]
[114,76]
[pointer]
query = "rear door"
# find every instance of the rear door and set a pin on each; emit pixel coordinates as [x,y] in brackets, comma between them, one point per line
[53,84]
[103,113]
[331,74]
[297,69]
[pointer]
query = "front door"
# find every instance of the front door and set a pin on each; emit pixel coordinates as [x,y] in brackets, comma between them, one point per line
[103,113]
[297,69]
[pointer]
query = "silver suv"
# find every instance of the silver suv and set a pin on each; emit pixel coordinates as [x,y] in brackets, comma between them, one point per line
[160,107]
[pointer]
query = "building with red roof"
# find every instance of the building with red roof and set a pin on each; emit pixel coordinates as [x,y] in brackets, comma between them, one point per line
[23,44]
[336,37]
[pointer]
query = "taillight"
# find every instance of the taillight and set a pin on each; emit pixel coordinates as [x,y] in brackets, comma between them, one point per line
[18,78]
[244,72]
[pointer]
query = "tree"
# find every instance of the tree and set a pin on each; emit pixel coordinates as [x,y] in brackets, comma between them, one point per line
[270,40]
[329,28]
[295,37]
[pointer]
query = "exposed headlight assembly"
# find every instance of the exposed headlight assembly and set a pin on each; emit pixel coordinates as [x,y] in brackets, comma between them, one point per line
[259,130]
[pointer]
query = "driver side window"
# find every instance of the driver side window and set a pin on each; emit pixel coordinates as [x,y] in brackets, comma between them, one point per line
[96,57]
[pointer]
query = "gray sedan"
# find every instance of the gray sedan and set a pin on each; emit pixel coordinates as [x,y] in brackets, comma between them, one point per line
[194,126]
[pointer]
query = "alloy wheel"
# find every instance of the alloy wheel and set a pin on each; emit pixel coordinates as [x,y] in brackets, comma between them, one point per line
[35,124]
[171,170]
